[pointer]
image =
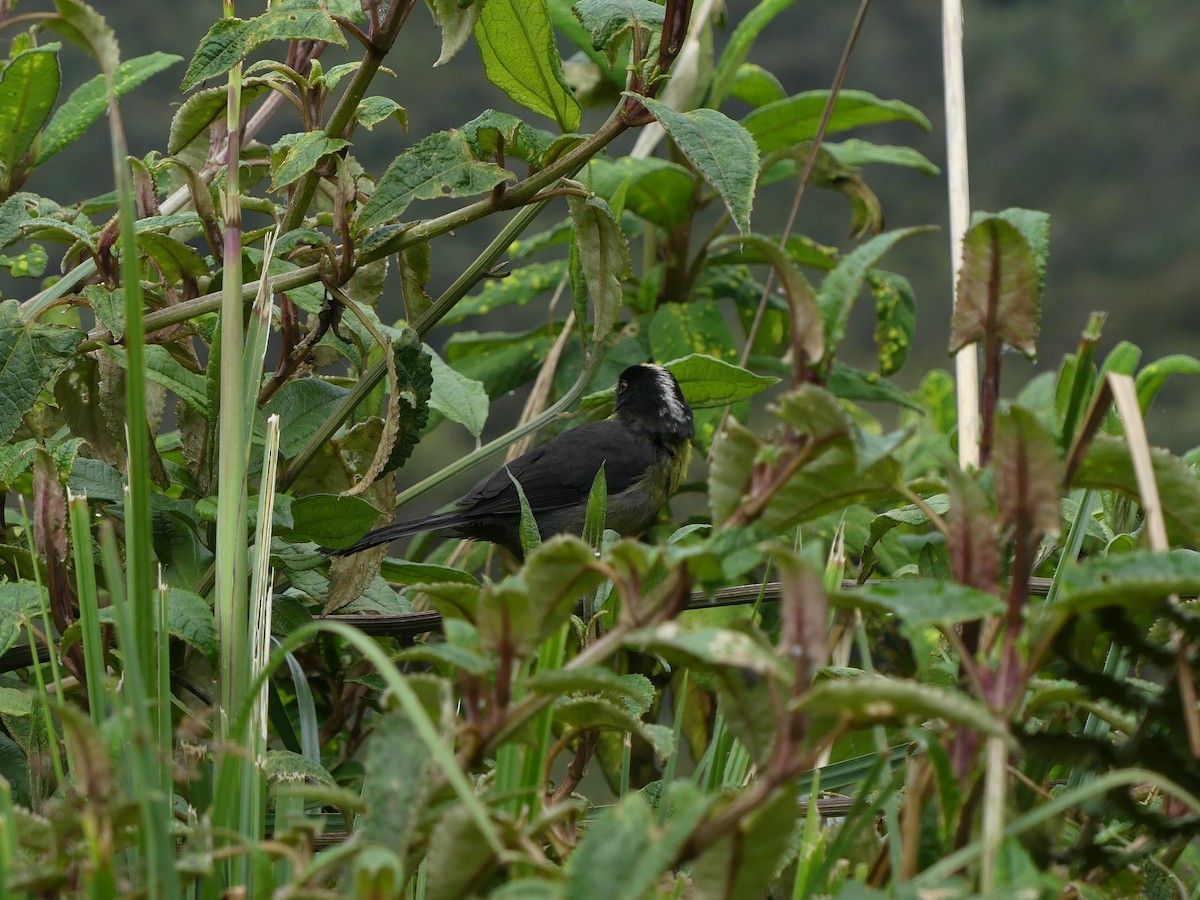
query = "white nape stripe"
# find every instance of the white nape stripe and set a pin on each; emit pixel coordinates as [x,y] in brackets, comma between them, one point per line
[666,383]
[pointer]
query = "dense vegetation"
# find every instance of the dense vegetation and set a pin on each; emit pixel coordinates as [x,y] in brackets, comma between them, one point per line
[844,666]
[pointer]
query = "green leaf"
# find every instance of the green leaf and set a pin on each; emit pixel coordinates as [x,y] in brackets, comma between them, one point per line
[501,360]
[231,40]
[708,647]
[1139,580]
[723,152]
[999,288]
[910,515]
[743,862]
[895,318]
[807,328]
[841,287]
[89,101]
[17,600]
[730,65]
[659,191]
[284,766]
[204,107]
[857,152]
[788,122]
[710,382]
[300,155]
[734,452]
[604,257]
[588,712]
[492,131]
[164,369]
[607,22]
[414,377]
[459,398]
[677,330]
[457,22]
[517,288]
[441,165]
[624,852]
[872,699]
[850,383]
[28,88]
[373,110]
[31,354]
[920,604]
[754,85]
[30,264]
[403,572]
[1151,379]
[302,406]
[190,618]
[330,520]
[520,56]
[398,781]
[86,28]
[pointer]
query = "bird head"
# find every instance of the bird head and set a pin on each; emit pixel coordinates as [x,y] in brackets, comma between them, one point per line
[649,399]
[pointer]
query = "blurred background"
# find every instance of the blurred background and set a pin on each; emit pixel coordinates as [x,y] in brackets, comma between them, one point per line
[1088,109]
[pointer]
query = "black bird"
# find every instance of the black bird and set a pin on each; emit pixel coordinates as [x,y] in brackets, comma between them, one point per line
[645,446]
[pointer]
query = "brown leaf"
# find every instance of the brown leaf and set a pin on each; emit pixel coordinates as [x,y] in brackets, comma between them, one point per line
[1028,474]
[997,288]
[972,539]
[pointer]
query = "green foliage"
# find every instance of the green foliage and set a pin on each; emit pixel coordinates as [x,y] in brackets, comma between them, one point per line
[831,604]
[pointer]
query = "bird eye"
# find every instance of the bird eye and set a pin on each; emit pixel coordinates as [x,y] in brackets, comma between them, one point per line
[622,386]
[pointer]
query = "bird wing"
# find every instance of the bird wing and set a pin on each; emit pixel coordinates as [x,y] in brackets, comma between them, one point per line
[560,472]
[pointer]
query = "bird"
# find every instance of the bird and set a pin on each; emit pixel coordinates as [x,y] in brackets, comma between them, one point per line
[644,446]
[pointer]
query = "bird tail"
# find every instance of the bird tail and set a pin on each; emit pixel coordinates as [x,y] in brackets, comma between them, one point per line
[389,533]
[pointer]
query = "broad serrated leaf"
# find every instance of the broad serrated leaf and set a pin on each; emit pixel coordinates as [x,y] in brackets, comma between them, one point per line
[87,29]
[28,88]
[329,520]
[1028,473]
[998,289]
[31,354]
[1138,581]
[607,22]
[520,56]
[300,155]
[459,398]
[204,107]
[971,538]
[848,383]
[841,287]
[710,382]
[302,406]
[589,712]
[659,191]
[441,165]
[231,40]
[788,122]
[604,258]
[723,152]
[89,101]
